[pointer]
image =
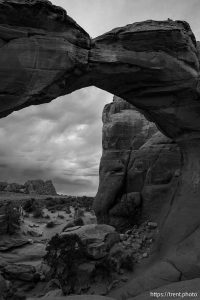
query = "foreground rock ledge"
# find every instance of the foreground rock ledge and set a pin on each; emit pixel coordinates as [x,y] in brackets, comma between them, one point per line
[154,65]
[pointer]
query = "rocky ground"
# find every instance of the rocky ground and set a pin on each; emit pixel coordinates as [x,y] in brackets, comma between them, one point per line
[97,258]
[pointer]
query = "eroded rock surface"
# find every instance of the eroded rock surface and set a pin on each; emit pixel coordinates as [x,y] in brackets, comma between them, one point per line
[139,168]
[40,48]
[125,130]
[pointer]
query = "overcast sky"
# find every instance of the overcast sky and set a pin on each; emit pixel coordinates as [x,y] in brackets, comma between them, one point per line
[62,140]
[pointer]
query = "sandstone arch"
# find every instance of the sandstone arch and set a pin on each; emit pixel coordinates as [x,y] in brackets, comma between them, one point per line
[153,65]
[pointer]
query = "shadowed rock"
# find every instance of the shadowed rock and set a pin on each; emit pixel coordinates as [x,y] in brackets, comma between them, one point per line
[157,66]
[139,168]
[125,130]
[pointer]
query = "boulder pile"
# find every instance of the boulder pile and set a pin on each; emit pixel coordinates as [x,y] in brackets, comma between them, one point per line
[85,257]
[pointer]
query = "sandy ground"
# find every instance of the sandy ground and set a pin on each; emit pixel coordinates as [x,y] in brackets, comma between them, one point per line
[33,253]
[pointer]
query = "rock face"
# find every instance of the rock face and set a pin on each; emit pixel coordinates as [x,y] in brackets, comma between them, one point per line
[45,54]
[40,187]
[40,47]
[154,171]
[138,170]
[125,130]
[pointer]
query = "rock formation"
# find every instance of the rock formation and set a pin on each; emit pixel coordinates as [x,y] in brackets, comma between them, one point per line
[40,187]
[11,187]
[77,255]
[138,170]
[125,130]
[45,54]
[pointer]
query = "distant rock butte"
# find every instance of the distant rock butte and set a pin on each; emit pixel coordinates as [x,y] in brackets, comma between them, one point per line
[38,187]
[154,65]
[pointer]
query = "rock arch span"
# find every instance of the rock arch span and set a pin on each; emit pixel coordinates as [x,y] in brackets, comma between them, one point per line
[154,65]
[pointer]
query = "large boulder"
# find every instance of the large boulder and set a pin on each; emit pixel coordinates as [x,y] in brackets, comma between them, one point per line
[81,258]
[20,272]
[40,187]
[97,239]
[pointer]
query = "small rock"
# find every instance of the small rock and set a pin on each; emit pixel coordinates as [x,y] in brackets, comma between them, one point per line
[177,173]
[122,237]
[124,279]
[128,232]
[145,255]
[30,241]
[34,233]
[152,225]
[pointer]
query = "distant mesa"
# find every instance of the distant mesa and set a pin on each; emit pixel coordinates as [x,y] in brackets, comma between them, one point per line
[32,187]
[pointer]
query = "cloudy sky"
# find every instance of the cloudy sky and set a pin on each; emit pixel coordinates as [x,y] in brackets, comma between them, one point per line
[62,140]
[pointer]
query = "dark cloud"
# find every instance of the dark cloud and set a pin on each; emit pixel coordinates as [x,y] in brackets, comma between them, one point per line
[62,140]
[59,141]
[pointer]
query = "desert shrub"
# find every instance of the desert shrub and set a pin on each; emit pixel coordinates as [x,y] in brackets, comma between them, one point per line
[50,202]
[33,206]
[64,254]
[12,218]
[38,212]
[29,205]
